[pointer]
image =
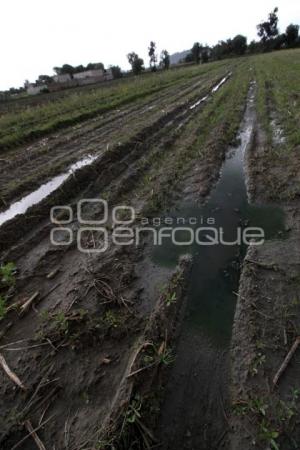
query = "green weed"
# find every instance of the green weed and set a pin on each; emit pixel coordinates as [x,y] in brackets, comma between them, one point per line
[7,274]
[2,307]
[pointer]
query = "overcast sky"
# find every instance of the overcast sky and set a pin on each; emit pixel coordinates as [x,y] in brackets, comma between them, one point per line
[37,35]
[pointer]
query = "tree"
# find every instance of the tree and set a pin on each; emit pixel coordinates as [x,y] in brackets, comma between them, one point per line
[68,69]
[44,79]
[196,52]
[269,29]
[189,58]
[95,66]
[65,69]
[152,55]
[292,33]
[239,45]
[254,47]
[204,55]
[137,63]
[223,49]
[79,69]
[116,71]
[278,43]
[165,59]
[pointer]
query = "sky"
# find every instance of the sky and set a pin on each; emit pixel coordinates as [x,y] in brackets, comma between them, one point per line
[37,35]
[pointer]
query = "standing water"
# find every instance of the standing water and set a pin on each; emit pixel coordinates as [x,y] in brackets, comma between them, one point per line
[35,197]
[194,410]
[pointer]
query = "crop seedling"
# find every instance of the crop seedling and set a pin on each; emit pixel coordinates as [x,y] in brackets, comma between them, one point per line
[167,357]
[170,298]
[61,322]
[295,394]
[258,362]
[258,406]
[133,411]
[7,280]
[7,274]
[268,435]
[111,319]
[2,307]
[148,359]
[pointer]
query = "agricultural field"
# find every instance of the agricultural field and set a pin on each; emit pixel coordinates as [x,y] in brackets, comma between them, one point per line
[153,344]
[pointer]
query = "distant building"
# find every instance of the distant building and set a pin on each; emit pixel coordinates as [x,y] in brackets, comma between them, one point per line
[63,78]
[33,89]
[97,73]
[109,74]
[66,80]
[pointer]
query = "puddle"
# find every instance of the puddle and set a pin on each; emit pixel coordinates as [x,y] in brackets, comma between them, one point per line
[211,300]
[214,89]
[21,206]
[199,102]
[217,87]
[199,376]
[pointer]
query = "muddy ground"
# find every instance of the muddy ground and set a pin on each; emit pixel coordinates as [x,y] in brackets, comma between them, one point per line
[266,414]
[95,349]
[24,169]
[74,347]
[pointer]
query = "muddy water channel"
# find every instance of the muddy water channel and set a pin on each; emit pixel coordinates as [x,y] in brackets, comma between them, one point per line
[196,404]
[35,197]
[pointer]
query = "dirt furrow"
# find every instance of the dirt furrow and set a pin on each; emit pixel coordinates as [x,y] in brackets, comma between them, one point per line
[89,319]
[51,155]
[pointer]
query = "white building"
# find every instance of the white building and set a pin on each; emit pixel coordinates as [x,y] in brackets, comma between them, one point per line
[32,89]
[97,73]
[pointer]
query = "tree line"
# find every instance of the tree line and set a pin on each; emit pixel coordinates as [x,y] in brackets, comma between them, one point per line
[137,63]
[268,32]
[269,39]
